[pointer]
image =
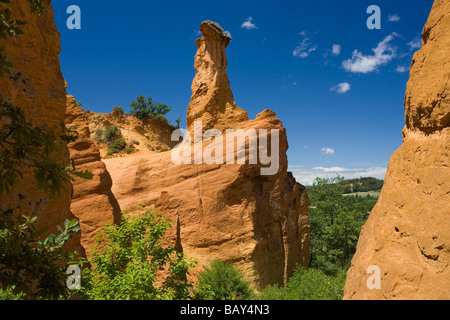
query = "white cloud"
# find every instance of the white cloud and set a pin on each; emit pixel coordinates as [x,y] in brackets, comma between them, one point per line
[306,176]
[401,69]
[393,18]
[304,49]
[383,54]
[248,24]
[327,151]
[341,88]
[336,49]
[415,44]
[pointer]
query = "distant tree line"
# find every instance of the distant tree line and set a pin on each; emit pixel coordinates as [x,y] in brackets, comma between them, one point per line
[362,184]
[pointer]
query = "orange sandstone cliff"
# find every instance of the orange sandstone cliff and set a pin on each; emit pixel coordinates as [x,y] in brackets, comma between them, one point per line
[37,86]
[92,203]
[407,234]
[228,212]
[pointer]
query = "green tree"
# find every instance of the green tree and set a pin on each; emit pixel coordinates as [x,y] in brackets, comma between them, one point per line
[221,281]
[145,108]
[336,223]
[311,284]
[132,262]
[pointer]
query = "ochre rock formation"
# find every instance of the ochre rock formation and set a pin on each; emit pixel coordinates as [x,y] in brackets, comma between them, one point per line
[212,100]
[149,135]
[228,212]
[37,86]
[407,234]
[93,203]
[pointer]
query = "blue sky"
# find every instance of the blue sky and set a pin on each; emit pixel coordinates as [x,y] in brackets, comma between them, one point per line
[337,86]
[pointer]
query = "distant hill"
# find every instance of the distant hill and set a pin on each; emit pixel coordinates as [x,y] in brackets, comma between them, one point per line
[362,185]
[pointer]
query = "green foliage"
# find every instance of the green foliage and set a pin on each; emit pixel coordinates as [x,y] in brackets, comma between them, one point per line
[118,110]
[221,281]
[365,184]
[24,146]
[129,150]
[26,262]
[8,294]
[311,284]
[38,6]
[117,146]
[129,259]
[109,135]
[144,109]
[336,223]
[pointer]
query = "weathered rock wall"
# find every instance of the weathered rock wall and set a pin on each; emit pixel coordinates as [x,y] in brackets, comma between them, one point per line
[92,203]
[37,86]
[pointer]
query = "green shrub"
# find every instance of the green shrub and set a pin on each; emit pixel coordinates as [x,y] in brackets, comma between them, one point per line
[145,108]
[98,135]
[9,294]
[127,260]
[118,110]
[221,281]
[129,150]
[311,284]
[117,146]
[111,134]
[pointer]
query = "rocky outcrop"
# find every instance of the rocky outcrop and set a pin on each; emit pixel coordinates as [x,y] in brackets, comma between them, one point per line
[152,135]
[93,203]
[37,86]
[229,212]
[407,234]
[212,100]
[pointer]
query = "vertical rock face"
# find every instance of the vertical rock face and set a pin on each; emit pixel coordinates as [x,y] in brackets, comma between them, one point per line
[228,212]
[37,86]
[407,234]
[93,203]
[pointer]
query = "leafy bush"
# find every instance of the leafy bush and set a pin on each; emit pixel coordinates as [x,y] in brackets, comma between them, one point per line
[131,262]
[144,109]
[311,284]
[8,294]
[31,266]
[221,281]
[117,146]
[118,111]
[111,133]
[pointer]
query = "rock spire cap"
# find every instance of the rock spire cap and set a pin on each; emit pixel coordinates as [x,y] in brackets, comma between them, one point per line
[212,29]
